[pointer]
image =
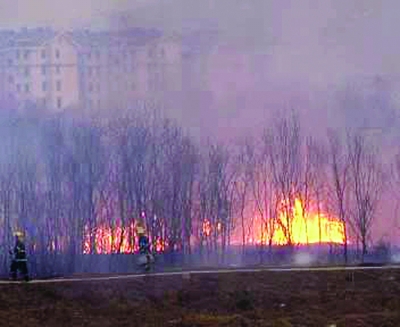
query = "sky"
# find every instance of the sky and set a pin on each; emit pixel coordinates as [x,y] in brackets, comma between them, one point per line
[305,50]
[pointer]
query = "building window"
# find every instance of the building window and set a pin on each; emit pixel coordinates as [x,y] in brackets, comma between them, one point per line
[10,62]
[26,88]
[44,102]
[90,71]
[43,54]
[90,87]
[26,72]
[57,53]
[26,54]
[18,87]
[44,86]
[98,54]
[10,79]
[58,85]
[43,70]
[59,102]
[58,70]
[18,54]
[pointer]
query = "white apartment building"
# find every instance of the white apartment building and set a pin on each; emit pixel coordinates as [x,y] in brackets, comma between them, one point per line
[118,69]
[40,67]
[88,70]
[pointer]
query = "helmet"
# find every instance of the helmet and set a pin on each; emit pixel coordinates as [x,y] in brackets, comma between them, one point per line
[18,234]
[140,227]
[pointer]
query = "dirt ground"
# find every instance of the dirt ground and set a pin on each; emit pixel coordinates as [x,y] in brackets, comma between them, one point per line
[365,298]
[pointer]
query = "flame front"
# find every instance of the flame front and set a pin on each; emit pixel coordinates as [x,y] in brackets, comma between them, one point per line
[118,239]
[307,228]
[301,228]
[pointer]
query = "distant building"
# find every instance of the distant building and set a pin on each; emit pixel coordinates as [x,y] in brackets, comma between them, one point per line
[110,69]
[39,66]
[87,69]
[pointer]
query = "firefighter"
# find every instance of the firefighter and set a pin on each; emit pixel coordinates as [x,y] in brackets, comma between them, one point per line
[144,246]
[19,261]
[143,239]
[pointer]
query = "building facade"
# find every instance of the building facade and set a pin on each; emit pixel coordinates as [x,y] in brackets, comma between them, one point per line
[39,68]
[87,70]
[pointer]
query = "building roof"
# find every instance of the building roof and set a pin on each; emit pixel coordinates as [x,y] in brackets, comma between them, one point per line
[26,37]
[85,38]
[129,37]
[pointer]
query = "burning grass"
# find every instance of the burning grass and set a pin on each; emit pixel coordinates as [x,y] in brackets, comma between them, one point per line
[301,227]
[234,299]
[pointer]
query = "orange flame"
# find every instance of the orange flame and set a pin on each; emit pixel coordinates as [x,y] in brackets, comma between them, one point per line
[308,228]
[111,240]
[304,228]
[301,228]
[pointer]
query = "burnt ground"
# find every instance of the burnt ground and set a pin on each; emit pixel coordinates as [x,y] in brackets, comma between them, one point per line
[324,298]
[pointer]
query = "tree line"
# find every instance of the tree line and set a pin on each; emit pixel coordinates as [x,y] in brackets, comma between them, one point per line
[63,176]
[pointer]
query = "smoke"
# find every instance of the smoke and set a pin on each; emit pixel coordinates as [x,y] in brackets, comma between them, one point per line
[293,53]
[263,55]
[395,258]
[303,259]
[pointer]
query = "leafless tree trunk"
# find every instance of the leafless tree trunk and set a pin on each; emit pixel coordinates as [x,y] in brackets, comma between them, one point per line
[307,183]
[367,182]
[264,194]
[319,162]
[284,148]
[339,162]
[243,182]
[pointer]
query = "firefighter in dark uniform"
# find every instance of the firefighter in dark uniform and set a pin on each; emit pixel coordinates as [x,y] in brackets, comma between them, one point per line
[144,246]
[19,261]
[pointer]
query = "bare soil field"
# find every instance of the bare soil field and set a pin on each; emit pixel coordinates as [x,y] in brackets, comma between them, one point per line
[323,298]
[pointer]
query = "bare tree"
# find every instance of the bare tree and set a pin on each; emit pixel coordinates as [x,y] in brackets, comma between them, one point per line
[243,182]
[264,194]
[367,182]
[284,147]
[189,161]
[306,184]
[85,168]
[319,159]
[339,163]
[216,196]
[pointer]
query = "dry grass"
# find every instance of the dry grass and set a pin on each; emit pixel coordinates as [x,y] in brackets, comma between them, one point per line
[245,299]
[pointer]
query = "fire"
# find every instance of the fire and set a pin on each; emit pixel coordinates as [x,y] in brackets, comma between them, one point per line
[118,239]
[206,228]
[308,228]
[304,228]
